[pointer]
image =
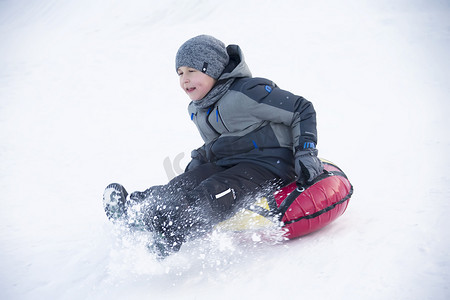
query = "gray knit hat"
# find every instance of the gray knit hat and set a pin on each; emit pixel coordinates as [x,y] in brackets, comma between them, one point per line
[204,53]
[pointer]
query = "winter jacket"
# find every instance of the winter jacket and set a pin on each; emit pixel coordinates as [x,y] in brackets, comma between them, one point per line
[254,121]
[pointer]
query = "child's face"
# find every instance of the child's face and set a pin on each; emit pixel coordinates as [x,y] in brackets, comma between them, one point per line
[195,83]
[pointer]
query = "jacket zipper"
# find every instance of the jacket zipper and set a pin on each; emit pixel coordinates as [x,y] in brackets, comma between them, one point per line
[221,119]
[209,124]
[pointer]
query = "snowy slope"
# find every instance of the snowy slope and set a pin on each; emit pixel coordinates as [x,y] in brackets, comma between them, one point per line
[89,95]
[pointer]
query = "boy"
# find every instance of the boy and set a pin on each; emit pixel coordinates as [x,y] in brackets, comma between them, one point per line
[257,137]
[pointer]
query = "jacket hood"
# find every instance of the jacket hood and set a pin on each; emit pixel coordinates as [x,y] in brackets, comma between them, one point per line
[236,68]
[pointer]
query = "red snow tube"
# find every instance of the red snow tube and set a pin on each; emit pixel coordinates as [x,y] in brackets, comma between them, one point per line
[308,210]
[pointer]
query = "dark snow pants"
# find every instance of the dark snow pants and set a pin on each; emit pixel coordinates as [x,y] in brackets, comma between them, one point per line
[220,189]
[206,195]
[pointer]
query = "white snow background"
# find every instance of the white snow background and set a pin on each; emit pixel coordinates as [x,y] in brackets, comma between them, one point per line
[89,96]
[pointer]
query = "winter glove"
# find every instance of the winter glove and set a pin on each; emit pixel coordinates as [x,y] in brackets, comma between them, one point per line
[198,158]
[307,166]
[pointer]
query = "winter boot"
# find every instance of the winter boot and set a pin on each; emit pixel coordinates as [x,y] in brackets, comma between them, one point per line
[114,201]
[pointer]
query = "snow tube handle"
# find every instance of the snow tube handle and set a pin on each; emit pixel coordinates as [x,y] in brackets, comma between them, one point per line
[284,206]
[289,200]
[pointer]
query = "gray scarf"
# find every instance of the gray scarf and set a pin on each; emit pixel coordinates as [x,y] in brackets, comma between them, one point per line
[214,94]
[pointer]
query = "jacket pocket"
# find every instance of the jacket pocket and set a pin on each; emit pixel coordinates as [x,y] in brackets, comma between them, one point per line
[217,122]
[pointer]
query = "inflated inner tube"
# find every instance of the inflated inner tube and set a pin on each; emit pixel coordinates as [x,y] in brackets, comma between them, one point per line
[299,210]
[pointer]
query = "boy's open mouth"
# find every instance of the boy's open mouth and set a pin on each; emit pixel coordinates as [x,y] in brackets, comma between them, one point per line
[191,89]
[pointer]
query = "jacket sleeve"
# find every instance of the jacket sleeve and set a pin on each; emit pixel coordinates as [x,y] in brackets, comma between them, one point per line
[304,124]
[280,106]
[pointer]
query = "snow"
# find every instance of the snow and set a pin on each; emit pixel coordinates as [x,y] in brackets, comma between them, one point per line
[89,96]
